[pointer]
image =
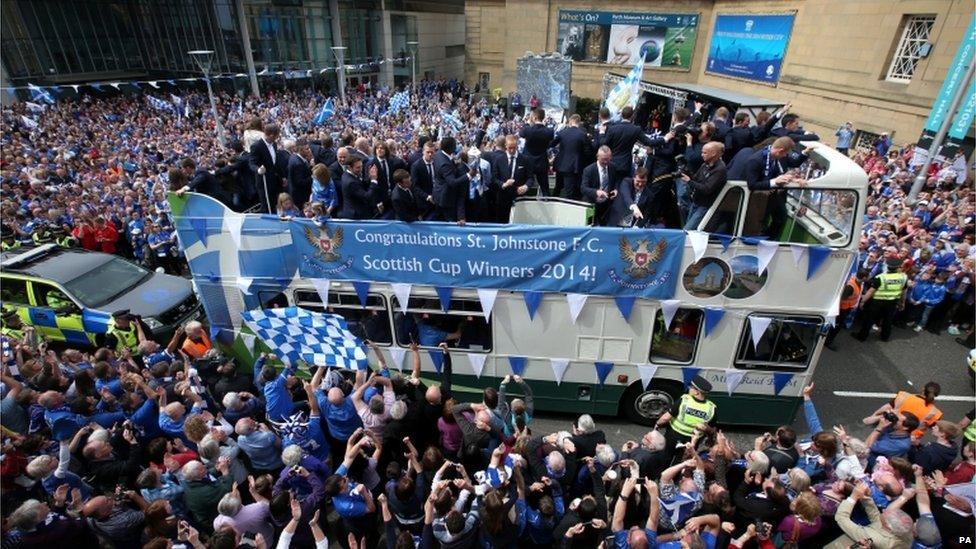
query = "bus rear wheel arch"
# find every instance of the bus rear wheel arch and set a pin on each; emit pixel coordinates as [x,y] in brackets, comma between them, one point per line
[645,406]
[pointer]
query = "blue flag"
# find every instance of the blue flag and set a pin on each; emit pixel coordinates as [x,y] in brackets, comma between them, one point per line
[532,300]
[815,258]
[688,374]
[40,94]
[325,113]
[437,357]
[362,290]
[444,294]
[713,315]
[603,370]
[517,363]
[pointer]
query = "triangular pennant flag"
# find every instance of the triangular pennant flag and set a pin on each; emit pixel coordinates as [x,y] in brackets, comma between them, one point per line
[815,258]
[200,228]
[235,224]
[444,295]
[688,374]
[798,251]
[322,287]
[781,380]
[249,340]
[487,299]
[602,371]
[154,84]
[699,243]
[532,300]
[517,363]
[362,290]
[668,308]
[724,239]
[244,284]
[559,366]
[766,249]
[437,357]
[396,355]
[758,326]
[733,378]
[575,302]
[833,312]
[647,372]
[625,304]
[477,361]
[713,315]
[402,292]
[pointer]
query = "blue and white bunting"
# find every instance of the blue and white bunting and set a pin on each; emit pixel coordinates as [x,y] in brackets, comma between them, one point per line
[688,373]
[575,302]
[816,255]
[517,363]
[713,315]
[625,304]
[559,366]
[780,381]
[477,361]
[647,373]
[603,370]
[362,291]
[532,300]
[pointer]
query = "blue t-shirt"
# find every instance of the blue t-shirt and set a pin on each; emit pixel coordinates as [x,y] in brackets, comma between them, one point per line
[707,537]
[277,398]
[342,419]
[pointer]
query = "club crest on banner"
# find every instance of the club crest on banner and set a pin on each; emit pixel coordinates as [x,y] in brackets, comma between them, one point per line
[641,260]
[327,244]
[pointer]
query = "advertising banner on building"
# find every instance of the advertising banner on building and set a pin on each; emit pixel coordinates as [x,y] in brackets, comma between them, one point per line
[588,260]
[663,39]
[750,46]
[953,80]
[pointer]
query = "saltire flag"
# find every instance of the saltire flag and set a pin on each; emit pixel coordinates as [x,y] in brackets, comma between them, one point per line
[627,91]
[39,93]
[177,100]
[398,101]
[160,104]
[325,113]
[318,339]
[30,123]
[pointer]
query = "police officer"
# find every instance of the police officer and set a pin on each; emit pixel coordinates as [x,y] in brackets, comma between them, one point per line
[13,326]
[62,237]
[42,234]
[885,297]
[692,411]
[8,238]
[124,332]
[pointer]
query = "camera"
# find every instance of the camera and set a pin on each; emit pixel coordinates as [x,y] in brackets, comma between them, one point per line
[891,417]
[681,168]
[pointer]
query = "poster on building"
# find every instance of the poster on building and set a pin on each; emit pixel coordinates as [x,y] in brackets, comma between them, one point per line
[750,46]
[547,77]
[664,39]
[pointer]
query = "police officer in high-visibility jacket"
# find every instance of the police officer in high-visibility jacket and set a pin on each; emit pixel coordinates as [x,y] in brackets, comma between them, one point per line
[124,332]
[13,326]
[692,411]
[885,297]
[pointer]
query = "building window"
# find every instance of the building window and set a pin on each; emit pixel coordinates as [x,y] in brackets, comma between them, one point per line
[913,37]
[371,322]
[864,140]
[788,342]
[679,341]
[462,326]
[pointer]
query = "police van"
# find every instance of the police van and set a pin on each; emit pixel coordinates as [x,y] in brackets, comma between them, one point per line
[69,294]
[757,377]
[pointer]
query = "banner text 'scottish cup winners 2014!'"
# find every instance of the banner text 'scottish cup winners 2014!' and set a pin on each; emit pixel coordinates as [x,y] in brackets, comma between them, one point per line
[594,261]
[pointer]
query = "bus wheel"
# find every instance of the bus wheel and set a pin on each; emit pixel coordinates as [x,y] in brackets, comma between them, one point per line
[646,406]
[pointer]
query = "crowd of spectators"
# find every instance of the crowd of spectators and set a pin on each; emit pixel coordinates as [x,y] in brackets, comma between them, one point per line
[158,447]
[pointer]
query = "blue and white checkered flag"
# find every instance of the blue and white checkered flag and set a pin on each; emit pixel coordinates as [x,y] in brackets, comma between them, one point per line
[627,91]
[398,101]
[160,104]
[295,334]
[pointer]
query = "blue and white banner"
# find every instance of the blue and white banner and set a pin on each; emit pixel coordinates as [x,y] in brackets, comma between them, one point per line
[583,260]
[749,46]
[953,79]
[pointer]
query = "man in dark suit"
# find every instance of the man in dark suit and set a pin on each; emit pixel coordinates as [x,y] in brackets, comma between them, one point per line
[422,171]
[790,127]
[633,206]
[599,185]
[722,124]
[450,183]
[414,156]
[202,181]
[571,141]
[384,176]
[768,169]
[536,149]
[338,167]
[323,151]
[300,173]
[511,174]
[409,202]
[742,135]
[621,138]
[268,162]
[358,194]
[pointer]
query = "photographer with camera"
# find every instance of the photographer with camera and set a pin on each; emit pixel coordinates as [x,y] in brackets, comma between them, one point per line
[665,162]
[891,436]
[705,186]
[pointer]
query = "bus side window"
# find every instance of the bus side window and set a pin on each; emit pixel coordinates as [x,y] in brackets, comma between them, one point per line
[809,216]
[679,341]
[726,216]
[463,326]
[788,342]
[371,322]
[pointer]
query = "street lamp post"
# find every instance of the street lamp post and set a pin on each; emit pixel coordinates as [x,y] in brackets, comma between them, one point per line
[340,54]
[413,64]
[204,60]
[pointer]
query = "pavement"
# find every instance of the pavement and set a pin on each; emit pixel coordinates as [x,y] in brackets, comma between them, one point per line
[849,384]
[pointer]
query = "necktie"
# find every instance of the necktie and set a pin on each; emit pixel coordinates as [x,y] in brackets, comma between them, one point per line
[603,178]
[430,172]
[511,165]
[386,170]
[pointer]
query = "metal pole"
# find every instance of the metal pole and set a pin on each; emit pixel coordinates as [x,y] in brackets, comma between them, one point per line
[213,109]
[414,46]
[957,98]
[340,55]
[248,55]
